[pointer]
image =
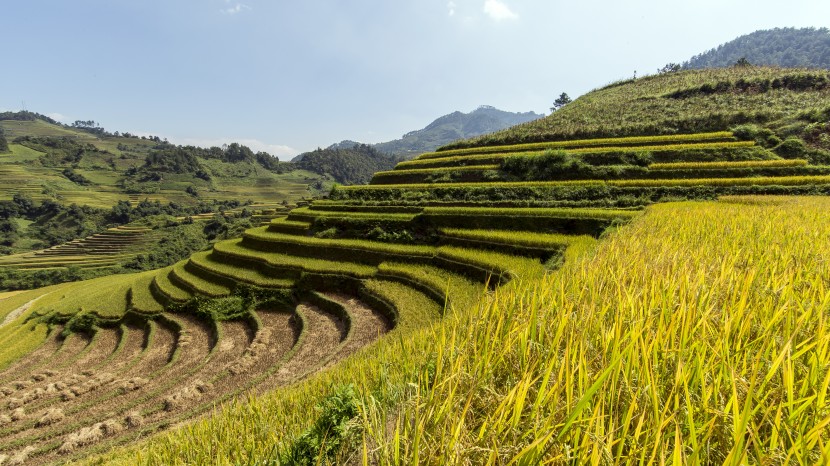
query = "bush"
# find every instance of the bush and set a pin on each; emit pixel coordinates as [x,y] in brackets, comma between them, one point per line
[332,430]
[221,308]
[762,136]
[791,148]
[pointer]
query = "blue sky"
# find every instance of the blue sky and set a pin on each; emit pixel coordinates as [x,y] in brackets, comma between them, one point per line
[289,76]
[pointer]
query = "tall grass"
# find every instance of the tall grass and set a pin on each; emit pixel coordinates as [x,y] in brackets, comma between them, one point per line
[697,334]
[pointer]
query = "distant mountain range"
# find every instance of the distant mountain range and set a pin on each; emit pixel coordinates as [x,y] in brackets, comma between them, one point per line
[785,47]
[448,128]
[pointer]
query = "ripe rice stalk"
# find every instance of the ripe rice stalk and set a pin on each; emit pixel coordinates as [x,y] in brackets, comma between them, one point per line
[719,165]
[585,143]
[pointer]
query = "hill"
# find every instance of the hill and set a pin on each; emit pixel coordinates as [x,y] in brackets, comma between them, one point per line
[64,183]
[346,163]
[787,102]
[110,167]
[452,127]
[492,304]
[785,47]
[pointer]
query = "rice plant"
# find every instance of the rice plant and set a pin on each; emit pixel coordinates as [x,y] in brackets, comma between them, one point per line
[586,143]
[719,165]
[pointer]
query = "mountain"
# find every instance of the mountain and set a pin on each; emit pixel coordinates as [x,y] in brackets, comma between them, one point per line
[786,47]
[350,162]
[452,127]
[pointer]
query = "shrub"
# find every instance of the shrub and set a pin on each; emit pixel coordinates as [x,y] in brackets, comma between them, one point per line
[332,430]
[762,136]
[791,148]
[327,233]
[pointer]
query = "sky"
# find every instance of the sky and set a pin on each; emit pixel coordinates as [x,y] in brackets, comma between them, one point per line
[290,76]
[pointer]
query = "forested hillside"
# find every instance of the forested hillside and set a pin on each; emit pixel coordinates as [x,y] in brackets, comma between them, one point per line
[347,165]
[787,47]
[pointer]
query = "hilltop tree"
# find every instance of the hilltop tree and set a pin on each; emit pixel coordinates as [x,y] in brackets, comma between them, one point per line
[669,68]
[560,102]
[238,153]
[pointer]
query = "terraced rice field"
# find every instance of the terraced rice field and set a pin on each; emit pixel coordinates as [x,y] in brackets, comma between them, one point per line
[118,358]
[100,250]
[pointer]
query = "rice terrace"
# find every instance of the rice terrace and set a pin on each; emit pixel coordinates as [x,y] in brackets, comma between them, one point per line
[641,277]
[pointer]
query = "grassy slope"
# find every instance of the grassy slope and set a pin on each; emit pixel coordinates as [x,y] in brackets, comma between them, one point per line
[230,181]
[626,353]
[640,107]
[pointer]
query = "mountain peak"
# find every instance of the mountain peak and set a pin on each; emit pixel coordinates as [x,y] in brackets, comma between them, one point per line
[454,126]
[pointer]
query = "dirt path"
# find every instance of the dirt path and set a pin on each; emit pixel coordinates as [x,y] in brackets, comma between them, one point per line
[11,316]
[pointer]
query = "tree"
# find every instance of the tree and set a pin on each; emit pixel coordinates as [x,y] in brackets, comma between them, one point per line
[8,232]
[4,145]
[742,63]
[560,102]
[25,203]
[669,68]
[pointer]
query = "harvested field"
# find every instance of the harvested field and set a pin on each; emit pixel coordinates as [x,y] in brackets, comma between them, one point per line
[127,380]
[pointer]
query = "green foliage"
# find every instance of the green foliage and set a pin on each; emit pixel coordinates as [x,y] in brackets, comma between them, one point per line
[791,148]
[75,177]
[670,68]
[786,47]
[180,242]
[328,233]
[354,165]
[400,236]
[60,151]
[16,279]
[219,309]
[171,160]
[8,231]
[80,323]
[334,428]
[4,144]
[560,102]
[560,165]
[750,132]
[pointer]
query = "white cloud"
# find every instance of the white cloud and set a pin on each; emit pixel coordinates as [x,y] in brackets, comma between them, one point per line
[58,116]
[451,6]
[234,8]
[498,10]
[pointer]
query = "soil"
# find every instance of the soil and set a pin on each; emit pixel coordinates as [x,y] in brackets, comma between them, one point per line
[129,392]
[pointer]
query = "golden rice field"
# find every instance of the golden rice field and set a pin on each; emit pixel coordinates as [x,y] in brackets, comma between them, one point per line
[696,334]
